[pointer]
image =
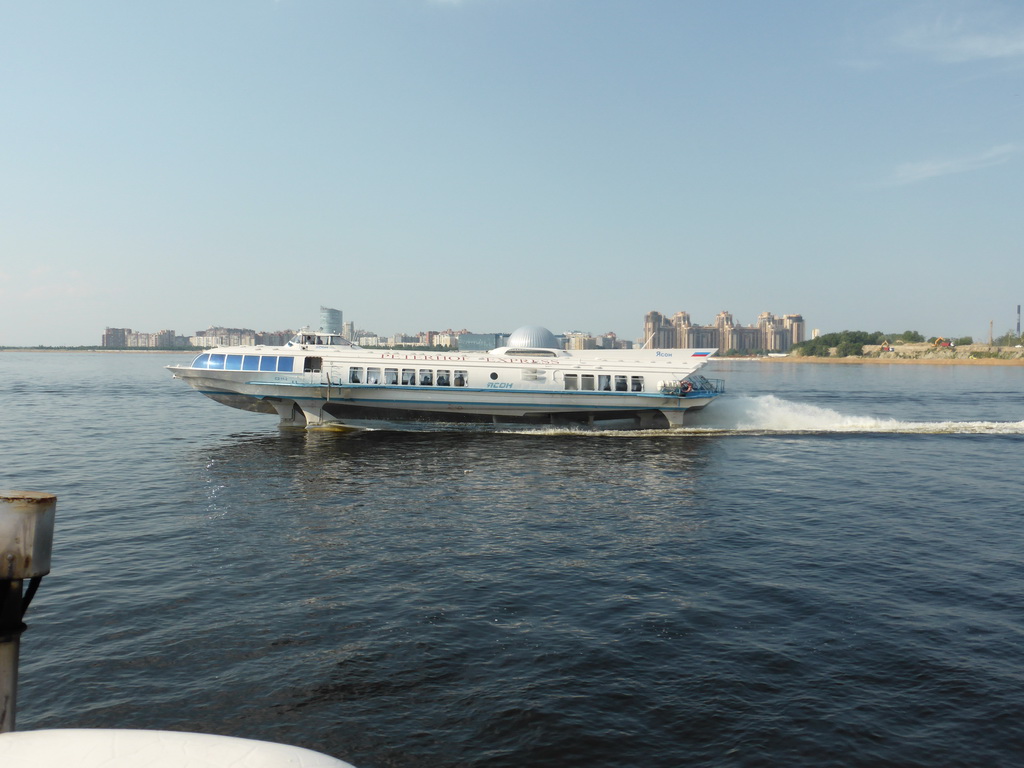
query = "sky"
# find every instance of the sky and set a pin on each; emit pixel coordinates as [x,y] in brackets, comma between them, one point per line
[488,164]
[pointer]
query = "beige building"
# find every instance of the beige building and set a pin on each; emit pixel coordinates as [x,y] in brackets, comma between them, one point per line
[770,334]
[217,336]
[126,338]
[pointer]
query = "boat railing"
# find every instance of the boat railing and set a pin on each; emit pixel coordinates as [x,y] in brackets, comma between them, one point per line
[694,386]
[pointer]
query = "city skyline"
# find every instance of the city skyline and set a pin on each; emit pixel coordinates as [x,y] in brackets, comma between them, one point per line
[768,333]
[486,163]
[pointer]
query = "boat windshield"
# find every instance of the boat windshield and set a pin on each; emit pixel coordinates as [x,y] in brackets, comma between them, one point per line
[319,339]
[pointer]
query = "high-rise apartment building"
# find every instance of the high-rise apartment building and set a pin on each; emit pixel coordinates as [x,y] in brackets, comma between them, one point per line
[116,338]
[769,334]
[223,337]
[660,332]
[330,320]
[126,338]
[794,328]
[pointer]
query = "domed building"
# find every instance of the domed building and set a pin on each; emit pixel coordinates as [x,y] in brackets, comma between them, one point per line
[533,337]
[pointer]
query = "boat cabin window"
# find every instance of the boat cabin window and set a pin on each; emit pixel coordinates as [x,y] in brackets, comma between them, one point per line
[355,375]
[619,382]
[219,362]
[411,377]
[208,361]
[312,365]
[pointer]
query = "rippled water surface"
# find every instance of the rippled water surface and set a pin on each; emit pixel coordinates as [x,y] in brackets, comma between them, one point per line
[826,569]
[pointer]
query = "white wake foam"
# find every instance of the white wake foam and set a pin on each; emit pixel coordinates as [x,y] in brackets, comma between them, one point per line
[771,414]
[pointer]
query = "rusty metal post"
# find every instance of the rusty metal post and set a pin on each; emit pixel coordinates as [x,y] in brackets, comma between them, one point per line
[26,540]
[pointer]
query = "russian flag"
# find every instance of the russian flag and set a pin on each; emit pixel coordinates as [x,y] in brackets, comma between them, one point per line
[700,354]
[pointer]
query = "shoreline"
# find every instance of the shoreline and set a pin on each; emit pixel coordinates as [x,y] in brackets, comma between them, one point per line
[892,360]
[103,351]
[1012,361]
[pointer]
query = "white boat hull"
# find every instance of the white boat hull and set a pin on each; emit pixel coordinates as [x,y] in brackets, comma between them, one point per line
[347,386]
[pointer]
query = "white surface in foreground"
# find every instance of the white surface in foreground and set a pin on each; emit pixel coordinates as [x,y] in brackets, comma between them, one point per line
[115,748]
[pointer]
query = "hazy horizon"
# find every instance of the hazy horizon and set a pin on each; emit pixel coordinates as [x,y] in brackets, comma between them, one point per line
[497,163]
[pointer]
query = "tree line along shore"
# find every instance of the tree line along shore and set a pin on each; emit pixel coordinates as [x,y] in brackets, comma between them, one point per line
[974,354]
[907,347]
